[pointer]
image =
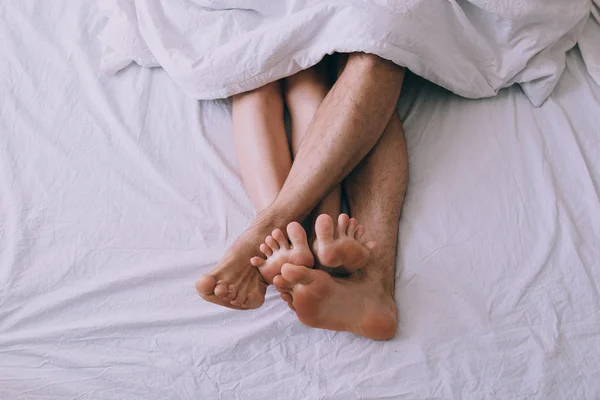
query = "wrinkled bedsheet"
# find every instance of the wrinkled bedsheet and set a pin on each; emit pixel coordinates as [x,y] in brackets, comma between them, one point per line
[116,192]
[214,49]
[589,42]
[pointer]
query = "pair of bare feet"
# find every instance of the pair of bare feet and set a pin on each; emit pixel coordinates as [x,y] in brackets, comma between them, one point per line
[319,299]
[344,248]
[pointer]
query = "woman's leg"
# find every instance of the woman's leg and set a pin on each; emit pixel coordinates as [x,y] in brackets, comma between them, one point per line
[304,93]
[260,142]
[264,160]
[345,128]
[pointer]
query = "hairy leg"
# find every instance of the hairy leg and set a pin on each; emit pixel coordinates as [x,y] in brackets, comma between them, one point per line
[347,125]
[258,131]
[363,303]
[337,248]
[304,93]
[345,128]
[376,193]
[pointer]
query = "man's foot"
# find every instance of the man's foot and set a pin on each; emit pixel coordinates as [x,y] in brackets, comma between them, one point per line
[354,304]
[342,247]
[234,282]
[278,251]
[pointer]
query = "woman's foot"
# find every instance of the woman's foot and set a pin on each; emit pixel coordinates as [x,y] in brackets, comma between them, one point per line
[278,251]
[342,247]
[356,304]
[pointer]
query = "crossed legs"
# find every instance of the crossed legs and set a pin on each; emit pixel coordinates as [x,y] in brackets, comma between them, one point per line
[346,126]
[265,161]
[260,140]
[304,93]
[363,303]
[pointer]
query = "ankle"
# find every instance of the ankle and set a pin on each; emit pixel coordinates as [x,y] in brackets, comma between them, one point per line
[269,219]
[279,214]
[381,279]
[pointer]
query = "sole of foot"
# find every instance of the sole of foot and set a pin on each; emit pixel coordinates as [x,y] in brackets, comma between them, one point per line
[349,305]
[344,246]
[278,250]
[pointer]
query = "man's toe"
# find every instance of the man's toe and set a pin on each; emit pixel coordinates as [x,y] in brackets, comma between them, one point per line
[281,283]
[286,297]
[254,300]
[231,292]
[221,289]
[324,228]
[297,274]
[240,299]
[205,285]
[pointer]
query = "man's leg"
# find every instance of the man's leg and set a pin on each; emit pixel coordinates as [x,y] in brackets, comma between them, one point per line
[363,303]
[348,124]
[376,193]
[304,93]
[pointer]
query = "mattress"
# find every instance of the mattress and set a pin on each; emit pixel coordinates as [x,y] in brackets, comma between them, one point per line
[117,192]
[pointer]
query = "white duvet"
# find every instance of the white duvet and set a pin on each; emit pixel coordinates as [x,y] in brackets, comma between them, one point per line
[214,49]
[117,192]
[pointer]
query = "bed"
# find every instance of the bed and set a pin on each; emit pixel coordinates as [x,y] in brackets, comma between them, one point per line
[116,194]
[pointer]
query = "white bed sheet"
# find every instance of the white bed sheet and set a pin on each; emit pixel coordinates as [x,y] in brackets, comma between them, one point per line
[117,192]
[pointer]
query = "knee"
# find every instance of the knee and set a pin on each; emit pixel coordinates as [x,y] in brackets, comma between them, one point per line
[270,90]
[367,59]
[367,64]
[309,81]
[268,94]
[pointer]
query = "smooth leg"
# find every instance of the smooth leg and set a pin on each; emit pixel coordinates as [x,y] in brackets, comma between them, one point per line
[347,125]
[261,144]
[363,303]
